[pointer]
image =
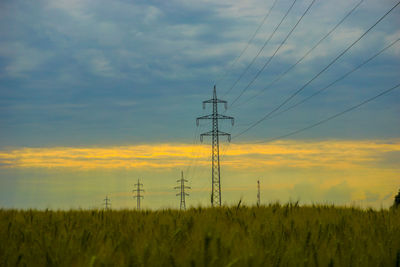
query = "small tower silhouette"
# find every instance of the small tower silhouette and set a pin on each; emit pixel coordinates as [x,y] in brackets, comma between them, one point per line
[107,203]
[138,192]
[182,192]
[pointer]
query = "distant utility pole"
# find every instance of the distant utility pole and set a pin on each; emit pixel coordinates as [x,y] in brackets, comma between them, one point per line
[138,195]
[258,193]
[215,133]
[107,203]
[182,193]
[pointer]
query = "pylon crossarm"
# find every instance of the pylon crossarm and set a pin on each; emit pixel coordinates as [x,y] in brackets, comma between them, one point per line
[205,134]
[218,116]
[225,134]
[206,117]
[222,133]
[223,117]
[214,101]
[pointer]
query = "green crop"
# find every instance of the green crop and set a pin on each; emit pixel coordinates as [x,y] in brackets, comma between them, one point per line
[273,235]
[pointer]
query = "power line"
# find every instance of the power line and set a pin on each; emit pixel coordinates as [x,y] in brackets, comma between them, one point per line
[331,117]
[273,55]
[316,76]
[194,143]
[198,155]
[194,160]
[335,81]
[261,49]
[247,45]
[224,149]
[301,59]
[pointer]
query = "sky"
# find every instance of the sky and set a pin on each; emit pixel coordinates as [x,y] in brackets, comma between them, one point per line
[96,94]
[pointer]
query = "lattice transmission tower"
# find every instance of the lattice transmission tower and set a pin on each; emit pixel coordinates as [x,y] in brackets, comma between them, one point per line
[215,133]
[138,192]
[107,203]
[182,192]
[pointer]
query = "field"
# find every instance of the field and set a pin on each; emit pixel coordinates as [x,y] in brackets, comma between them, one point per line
[273,235]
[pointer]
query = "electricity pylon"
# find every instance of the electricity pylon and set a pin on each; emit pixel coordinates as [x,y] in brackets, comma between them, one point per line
[182,193]
[258,193]
[107,203]
[215,133]
[138,190]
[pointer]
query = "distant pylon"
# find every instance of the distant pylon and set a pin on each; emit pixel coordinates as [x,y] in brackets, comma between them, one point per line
[258,193]
[138,195]
[107,203]
[215,133]
[182,192]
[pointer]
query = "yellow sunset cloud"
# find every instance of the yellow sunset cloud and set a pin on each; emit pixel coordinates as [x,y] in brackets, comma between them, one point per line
[303,154]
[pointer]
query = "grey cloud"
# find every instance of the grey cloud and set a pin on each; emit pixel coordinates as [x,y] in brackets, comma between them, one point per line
[157,53]
[305,193]
[308,193]
[340,193]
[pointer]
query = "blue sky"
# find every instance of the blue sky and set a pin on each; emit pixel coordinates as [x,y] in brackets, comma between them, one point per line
[112,73]
[85,72]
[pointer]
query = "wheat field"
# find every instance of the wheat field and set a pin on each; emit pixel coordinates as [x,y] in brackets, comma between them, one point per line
[272,235]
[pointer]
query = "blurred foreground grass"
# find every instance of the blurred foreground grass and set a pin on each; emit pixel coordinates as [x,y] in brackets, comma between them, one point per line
[274,235]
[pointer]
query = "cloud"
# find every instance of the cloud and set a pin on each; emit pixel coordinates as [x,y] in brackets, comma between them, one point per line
[74,8]
[391,38]
[23,60]
[371,196]
[388,196]
[305,192]
[165,55]
[152,14]
[339,194]
[330,154]
[96,62]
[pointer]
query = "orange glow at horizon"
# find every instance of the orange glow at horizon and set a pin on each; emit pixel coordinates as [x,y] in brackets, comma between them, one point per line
[302,154]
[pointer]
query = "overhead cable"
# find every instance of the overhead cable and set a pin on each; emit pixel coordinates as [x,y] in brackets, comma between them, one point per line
[333,116]
[261,49]
[273,55]
[317,75]
[221,78]
[301,59]
[335,81]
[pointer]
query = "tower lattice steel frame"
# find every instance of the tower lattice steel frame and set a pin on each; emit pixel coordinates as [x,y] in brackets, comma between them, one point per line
[107,203]
[138,195]
[215,133]
[182,192]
